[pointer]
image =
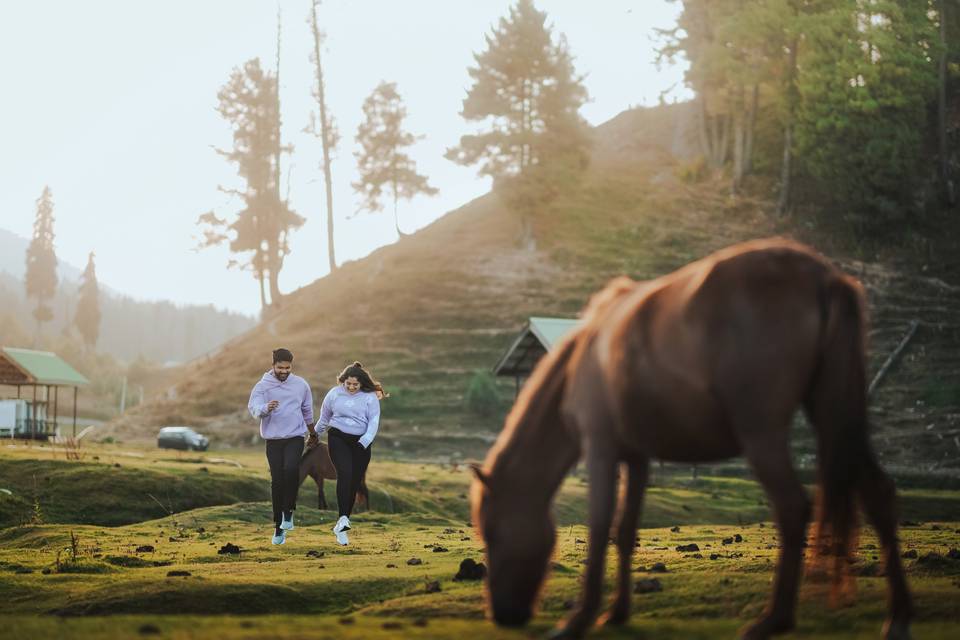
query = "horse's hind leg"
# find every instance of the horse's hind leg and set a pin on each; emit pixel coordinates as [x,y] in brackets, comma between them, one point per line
[630,504]
[321,498]
[771,464]
[602,472]
[878,496]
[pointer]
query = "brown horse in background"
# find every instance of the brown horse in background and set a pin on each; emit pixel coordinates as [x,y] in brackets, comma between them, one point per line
[317,464]
[703,364]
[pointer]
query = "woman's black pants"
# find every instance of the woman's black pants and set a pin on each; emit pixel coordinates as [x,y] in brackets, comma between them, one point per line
[351,460]
[283,456]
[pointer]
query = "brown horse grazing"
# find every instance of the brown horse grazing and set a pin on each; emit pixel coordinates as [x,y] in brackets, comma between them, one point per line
[703,364]
[317,464]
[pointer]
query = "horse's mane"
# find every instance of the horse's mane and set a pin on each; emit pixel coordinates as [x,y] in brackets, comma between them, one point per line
[537,406]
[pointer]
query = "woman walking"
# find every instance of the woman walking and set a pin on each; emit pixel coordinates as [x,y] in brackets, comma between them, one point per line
[351,413]
[284,404]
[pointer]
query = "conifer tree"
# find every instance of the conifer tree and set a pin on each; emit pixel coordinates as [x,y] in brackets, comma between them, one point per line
[249,102]
[526,91]
[41,274]
[382,161]
[87,318]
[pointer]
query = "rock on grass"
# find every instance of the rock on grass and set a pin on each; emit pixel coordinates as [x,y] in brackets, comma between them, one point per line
[647,585]
[471,570]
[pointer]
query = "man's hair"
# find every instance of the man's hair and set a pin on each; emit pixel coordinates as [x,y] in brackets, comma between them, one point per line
[282,355]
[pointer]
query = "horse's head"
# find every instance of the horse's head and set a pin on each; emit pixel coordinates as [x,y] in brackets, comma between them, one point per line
[519,537]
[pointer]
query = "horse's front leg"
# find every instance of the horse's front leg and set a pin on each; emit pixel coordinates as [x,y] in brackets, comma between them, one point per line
[630,505]
[602,472]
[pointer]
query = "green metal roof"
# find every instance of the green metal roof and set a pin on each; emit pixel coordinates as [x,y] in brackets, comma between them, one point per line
[538,337]
[43,367]
[550,330]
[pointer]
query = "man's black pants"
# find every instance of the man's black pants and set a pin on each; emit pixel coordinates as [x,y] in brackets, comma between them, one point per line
[351,460]
[283,456]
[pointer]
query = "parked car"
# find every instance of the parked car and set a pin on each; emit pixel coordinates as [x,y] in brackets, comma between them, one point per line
[183,438]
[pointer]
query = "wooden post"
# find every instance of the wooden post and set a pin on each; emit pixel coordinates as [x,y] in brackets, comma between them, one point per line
[123,396]
[893,356]
[56,399]
[74,412]
[33,422]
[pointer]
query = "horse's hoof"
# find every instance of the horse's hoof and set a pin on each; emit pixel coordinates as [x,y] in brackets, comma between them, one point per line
[896,630]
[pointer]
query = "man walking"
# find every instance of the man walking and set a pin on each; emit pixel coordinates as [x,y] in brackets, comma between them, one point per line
[284,404]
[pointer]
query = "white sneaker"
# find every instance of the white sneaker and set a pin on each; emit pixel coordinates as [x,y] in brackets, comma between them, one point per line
[279,538]
[287,525]
[340,530]
[343,524]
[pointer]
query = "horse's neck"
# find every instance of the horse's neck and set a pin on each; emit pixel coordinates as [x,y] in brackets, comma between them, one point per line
[539,448]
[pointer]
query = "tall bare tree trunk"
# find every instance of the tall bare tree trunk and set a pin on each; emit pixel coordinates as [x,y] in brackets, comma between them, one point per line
[276,259]
[751,127]
[324,136]
[275,264]
[726,125]
[263,291]
[945,178]
[703,132]
[783,201]
[739,141]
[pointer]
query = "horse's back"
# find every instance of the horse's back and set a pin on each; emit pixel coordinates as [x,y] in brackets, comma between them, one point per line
[684,356]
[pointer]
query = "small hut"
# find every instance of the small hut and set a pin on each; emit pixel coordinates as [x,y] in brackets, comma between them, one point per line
[537,337]
[37,377]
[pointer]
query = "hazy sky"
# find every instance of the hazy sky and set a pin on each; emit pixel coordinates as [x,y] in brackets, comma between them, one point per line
[112,104]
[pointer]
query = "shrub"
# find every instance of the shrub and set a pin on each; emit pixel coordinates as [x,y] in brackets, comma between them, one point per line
[482,397]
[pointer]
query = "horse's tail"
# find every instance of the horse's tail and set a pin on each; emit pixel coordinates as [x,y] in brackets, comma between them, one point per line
[837,407]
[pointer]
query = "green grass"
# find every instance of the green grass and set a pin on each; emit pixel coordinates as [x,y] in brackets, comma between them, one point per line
[250,594]
[74,579]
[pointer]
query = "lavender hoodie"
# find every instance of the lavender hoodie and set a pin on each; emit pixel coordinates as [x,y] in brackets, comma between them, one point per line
[294,413]
[355,413]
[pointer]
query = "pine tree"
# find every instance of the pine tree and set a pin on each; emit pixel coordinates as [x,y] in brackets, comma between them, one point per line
[249,102]
[87,318]
[867,78]
[526,90]
[381,161]
[41,274]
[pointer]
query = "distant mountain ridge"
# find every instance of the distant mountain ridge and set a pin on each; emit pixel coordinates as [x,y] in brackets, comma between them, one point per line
[13,258]
[162,331]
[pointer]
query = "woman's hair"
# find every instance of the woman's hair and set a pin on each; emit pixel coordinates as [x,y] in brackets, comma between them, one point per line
[282,355]
[367,383]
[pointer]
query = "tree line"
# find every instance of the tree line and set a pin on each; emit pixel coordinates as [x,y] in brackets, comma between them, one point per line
[845,103]
[40,278]
[525,97]
[78,319]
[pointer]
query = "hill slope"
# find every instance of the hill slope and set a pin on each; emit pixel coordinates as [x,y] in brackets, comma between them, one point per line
[427,312]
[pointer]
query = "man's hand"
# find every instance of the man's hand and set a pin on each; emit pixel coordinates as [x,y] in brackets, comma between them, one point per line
[273,404]
[312,440]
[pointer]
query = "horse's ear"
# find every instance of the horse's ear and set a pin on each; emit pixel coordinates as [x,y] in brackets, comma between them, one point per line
[478,472]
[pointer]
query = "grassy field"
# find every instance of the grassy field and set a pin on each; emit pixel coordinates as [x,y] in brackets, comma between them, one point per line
[89,555]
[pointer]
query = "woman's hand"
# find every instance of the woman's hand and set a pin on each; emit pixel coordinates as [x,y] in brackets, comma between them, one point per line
[312,440]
